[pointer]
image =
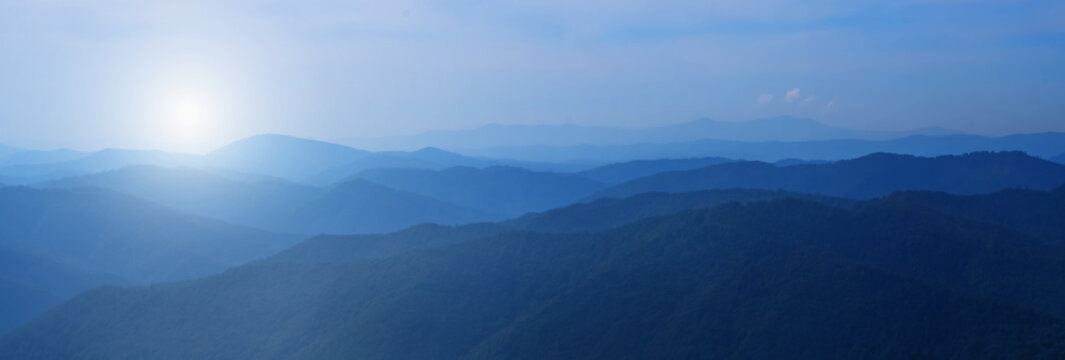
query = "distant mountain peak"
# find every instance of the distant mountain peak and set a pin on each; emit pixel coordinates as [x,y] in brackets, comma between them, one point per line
[283,156]
[434,151]
[278,140]
[789,119]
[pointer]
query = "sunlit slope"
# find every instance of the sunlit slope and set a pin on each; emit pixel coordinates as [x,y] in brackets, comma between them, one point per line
[283,156]
[105,231]
[357,206]
[257,202]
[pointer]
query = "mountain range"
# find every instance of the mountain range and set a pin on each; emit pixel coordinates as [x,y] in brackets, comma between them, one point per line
[57,243]
[282,156]
[321,164]
[782,128]
[1042,145]
[32,283]
[501,190]
[383,200]
[296,160]
[432,253]
[624,171]
[247,200]
[1060,159]
[103,160]
[32,157]
[105,231]
[360,206]
[865,177]
[598,215]
[746,281]
[427,159]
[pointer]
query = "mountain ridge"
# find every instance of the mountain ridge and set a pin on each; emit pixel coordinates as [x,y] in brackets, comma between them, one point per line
[868,176]
[724,289]
[781,128]
[360,206]
[1038,144]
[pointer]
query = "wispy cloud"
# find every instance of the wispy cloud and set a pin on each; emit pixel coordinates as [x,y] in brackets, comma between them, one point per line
[765,99]
[792,95]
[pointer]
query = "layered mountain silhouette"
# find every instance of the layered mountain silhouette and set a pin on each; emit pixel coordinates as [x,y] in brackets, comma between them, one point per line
[104,160]
[32,157]
[427,159]
[55,243]
[109,232]
[868,176]
[319,163]
[601,214]
[241,199]
[1044,145]
[6,150]
[361,206]
[779,279]
[607,213]
[506,191]
[1039,214]
[782,128]
[695,252]
[625,171]
[283,156]
[1060,159]
[355,206]
[340,249]
[32,283]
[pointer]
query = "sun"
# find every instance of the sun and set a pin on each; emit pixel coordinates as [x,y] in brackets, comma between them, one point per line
[189,117]
[187,107]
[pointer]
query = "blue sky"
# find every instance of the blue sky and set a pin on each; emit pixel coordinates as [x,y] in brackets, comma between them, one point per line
[192,75]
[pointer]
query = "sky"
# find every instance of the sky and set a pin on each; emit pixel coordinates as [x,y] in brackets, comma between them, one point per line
[192,75]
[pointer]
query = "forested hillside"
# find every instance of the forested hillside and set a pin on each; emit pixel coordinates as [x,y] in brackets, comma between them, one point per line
[735,281]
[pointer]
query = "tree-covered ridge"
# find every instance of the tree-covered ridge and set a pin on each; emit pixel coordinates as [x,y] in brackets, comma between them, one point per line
[1040,214]
[784,278]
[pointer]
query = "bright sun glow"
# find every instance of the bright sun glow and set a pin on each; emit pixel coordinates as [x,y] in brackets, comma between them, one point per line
[188,119]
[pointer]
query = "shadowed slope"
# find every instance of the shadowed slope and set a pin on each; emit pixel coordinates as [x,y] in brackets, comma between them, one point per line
[779,279]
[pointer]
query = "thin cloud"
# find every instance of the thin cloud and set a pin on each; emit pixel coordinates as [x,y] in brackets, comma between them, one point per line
[764,99]
[792,95]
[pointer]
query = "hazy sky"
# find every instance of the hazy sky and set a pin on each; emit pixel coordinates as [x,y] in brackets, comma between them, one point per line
[193,74]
